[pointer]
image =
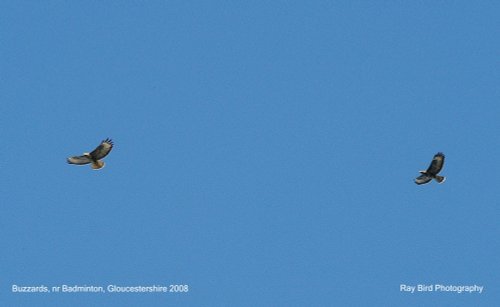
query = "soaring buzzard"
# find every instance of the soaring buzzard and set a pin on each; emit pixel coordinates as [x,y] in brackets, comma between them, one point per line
[95,156]
[433,170]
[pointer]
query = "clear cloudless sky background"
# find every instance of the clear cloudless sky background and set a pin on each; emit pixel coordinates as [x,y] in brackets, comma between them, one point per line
[264,154]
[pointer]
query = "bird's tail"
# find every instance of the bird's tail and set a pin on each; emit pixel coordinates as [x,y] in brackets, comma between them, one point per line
[440,179]
[97,164]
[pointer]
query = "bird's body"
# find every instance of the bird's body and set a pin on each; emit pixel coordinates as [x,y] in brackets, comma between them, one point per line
[95,163]
[95,156]
[433,170]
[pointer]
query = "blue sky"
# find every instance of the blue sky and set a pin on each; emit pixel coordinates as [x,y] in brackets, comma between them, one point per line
[264,151]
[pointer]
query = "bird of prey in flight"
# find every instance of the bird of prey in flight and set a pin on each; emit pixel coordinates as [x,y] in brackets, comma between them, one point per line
[433,170]
[95,156]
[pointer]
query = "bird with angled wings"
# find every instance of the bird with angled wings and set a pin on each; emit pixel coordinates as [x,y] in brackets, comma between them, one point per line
[432,171]
[94,157]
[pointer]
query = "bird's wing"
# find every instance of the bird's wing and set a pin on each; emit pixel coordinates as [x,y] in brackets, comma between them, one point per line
[102,150]
[79,160]
[436,164]
[423,179]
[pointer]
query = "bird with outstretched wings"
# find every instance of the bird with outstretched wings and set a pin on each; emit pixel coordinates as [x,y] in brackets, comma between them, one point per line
[437,164]
[95,156]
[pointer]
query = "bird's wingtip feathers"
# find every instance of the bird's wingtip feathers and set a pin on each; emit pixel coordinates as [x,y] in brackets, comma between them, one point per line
[109,141]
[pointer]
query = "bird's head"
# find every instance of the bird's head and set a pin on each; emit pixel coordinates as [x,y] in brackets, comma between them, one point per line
[86,154]
[422,172]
